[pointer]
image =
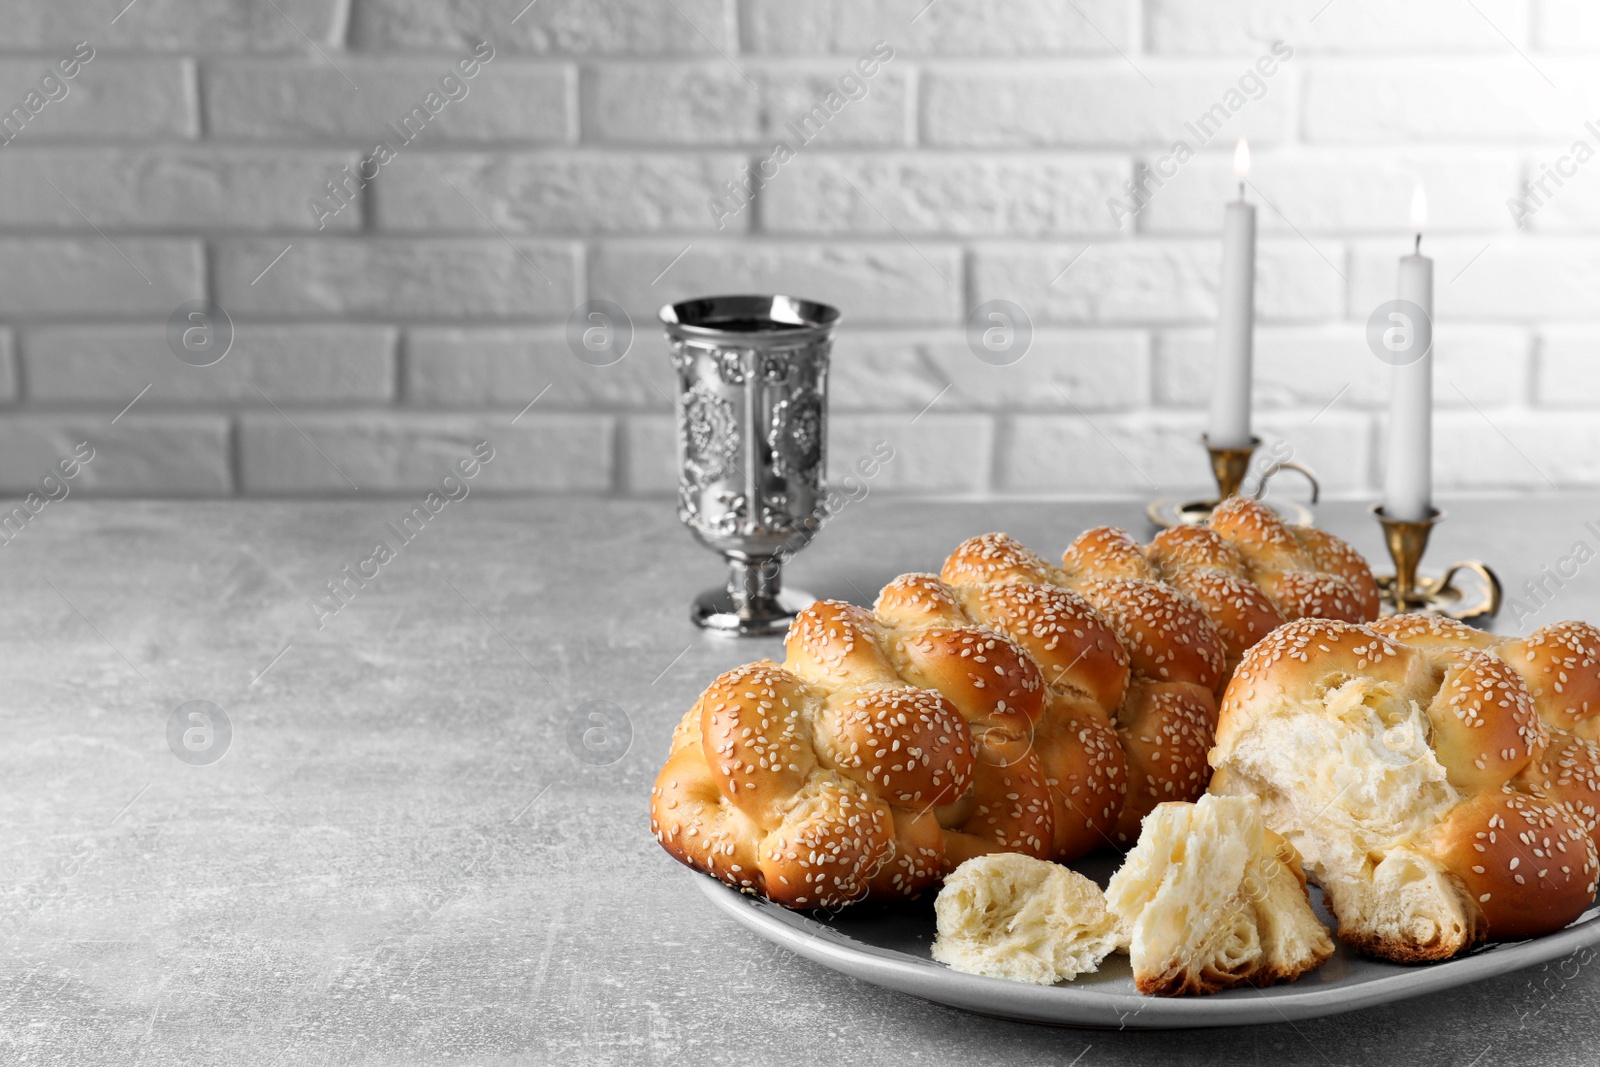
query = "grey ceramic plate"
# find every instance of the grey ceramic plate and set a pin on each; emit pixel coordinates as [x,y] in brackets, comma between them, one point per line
[888,946]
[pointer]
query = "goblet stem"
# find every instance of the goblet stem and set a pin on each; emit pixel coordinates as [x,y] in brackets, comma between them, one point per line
[754,582]
[753,603]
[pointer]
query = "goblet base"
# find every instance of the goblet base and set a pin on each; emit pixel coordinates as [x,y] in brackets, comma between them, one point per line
[766,616]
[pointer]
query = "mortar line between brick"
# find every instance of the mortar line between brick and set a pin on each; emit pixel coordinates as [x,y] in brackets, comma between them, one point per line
[401,385]
[342,18]
[914,100]
[620,476]
[196,91]
[366,224]
[1375,455]
[18,369]
[1138,30]
[733,11]
[758,222]
[235,446]
[574,82]
[999,437]
[1534,370]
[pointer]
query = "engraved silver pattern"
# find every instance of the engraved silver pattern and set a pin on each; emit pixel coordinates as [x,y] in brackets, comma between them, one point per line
[795,437]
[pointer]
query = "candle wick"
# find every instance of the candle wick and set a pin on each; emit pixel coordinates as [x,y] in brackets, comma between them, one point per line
[1241,188]
[1417,248]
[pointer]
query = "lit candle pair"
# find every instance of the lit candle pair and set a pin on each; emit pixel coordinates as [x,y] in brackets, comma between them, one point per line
[1408,474]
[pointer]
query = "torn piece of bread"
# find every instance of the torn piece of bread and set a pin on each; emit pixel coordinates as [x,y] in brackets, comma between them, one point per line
[1006,915]
[1210,898]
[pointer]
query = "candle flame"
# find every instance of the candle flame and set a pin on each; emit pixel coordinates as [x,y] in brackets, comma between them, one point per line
[1241,159]
[1419,208]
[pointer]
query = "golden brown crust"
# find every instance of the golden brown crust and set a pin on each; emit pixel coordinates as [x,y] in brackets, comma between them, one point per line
[828,855]
[1484,727]
[1274,665]
[1087,768]
[1105,552]
[1568,773]
[694,822]
[1527,863]
[1561,666]
[986,675]
[915,858]
[1177,982]
[1333,556]
[1250,572]
[1433,632]
[991,558]
[1307,595]
[754,741]
[1075,647]
[1265,541]
[907,744]
[1166,729]
[1240,610]
[1011,804]
[898,742]
[912,601]
[838,644]
[1308,573]
[1183,548]
[1167,636]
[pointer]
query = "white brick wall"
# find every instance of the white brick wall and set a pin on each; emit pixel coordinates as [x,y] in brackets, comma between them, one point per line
[370,350]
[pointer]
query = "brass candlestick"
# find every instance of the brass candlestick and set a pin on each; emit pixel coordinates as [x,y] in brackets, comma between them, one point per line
[1407,589]
[1229,466]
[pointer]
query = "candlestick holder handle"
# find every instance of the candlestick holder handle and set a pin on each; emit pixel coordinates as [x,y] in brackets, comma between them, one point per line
[1409,590]
[1485,573]
[1289,465]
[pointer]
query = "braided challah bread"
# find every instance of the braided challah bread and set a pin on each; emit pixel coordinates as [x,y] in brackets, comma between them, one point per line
[1441,784]
[1004,705]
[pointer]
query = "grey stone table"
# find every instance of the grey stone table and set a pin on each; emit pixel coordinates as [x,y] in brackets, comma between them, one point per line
[399,859]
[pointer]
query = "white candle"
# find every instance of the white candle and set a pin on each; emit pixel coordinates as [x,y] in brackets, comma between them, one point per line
[1230,386]
[1408,478]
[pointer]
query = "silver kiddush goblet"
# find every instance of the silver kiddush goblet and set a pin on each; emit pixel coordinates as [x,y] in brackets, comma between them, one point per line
[752,445]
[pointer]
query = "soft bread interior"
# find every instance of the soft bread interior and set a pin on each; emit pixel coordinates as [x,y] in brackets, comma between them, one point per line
[1292,938]
[1209,899]
[1011,916]
[1354,785]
